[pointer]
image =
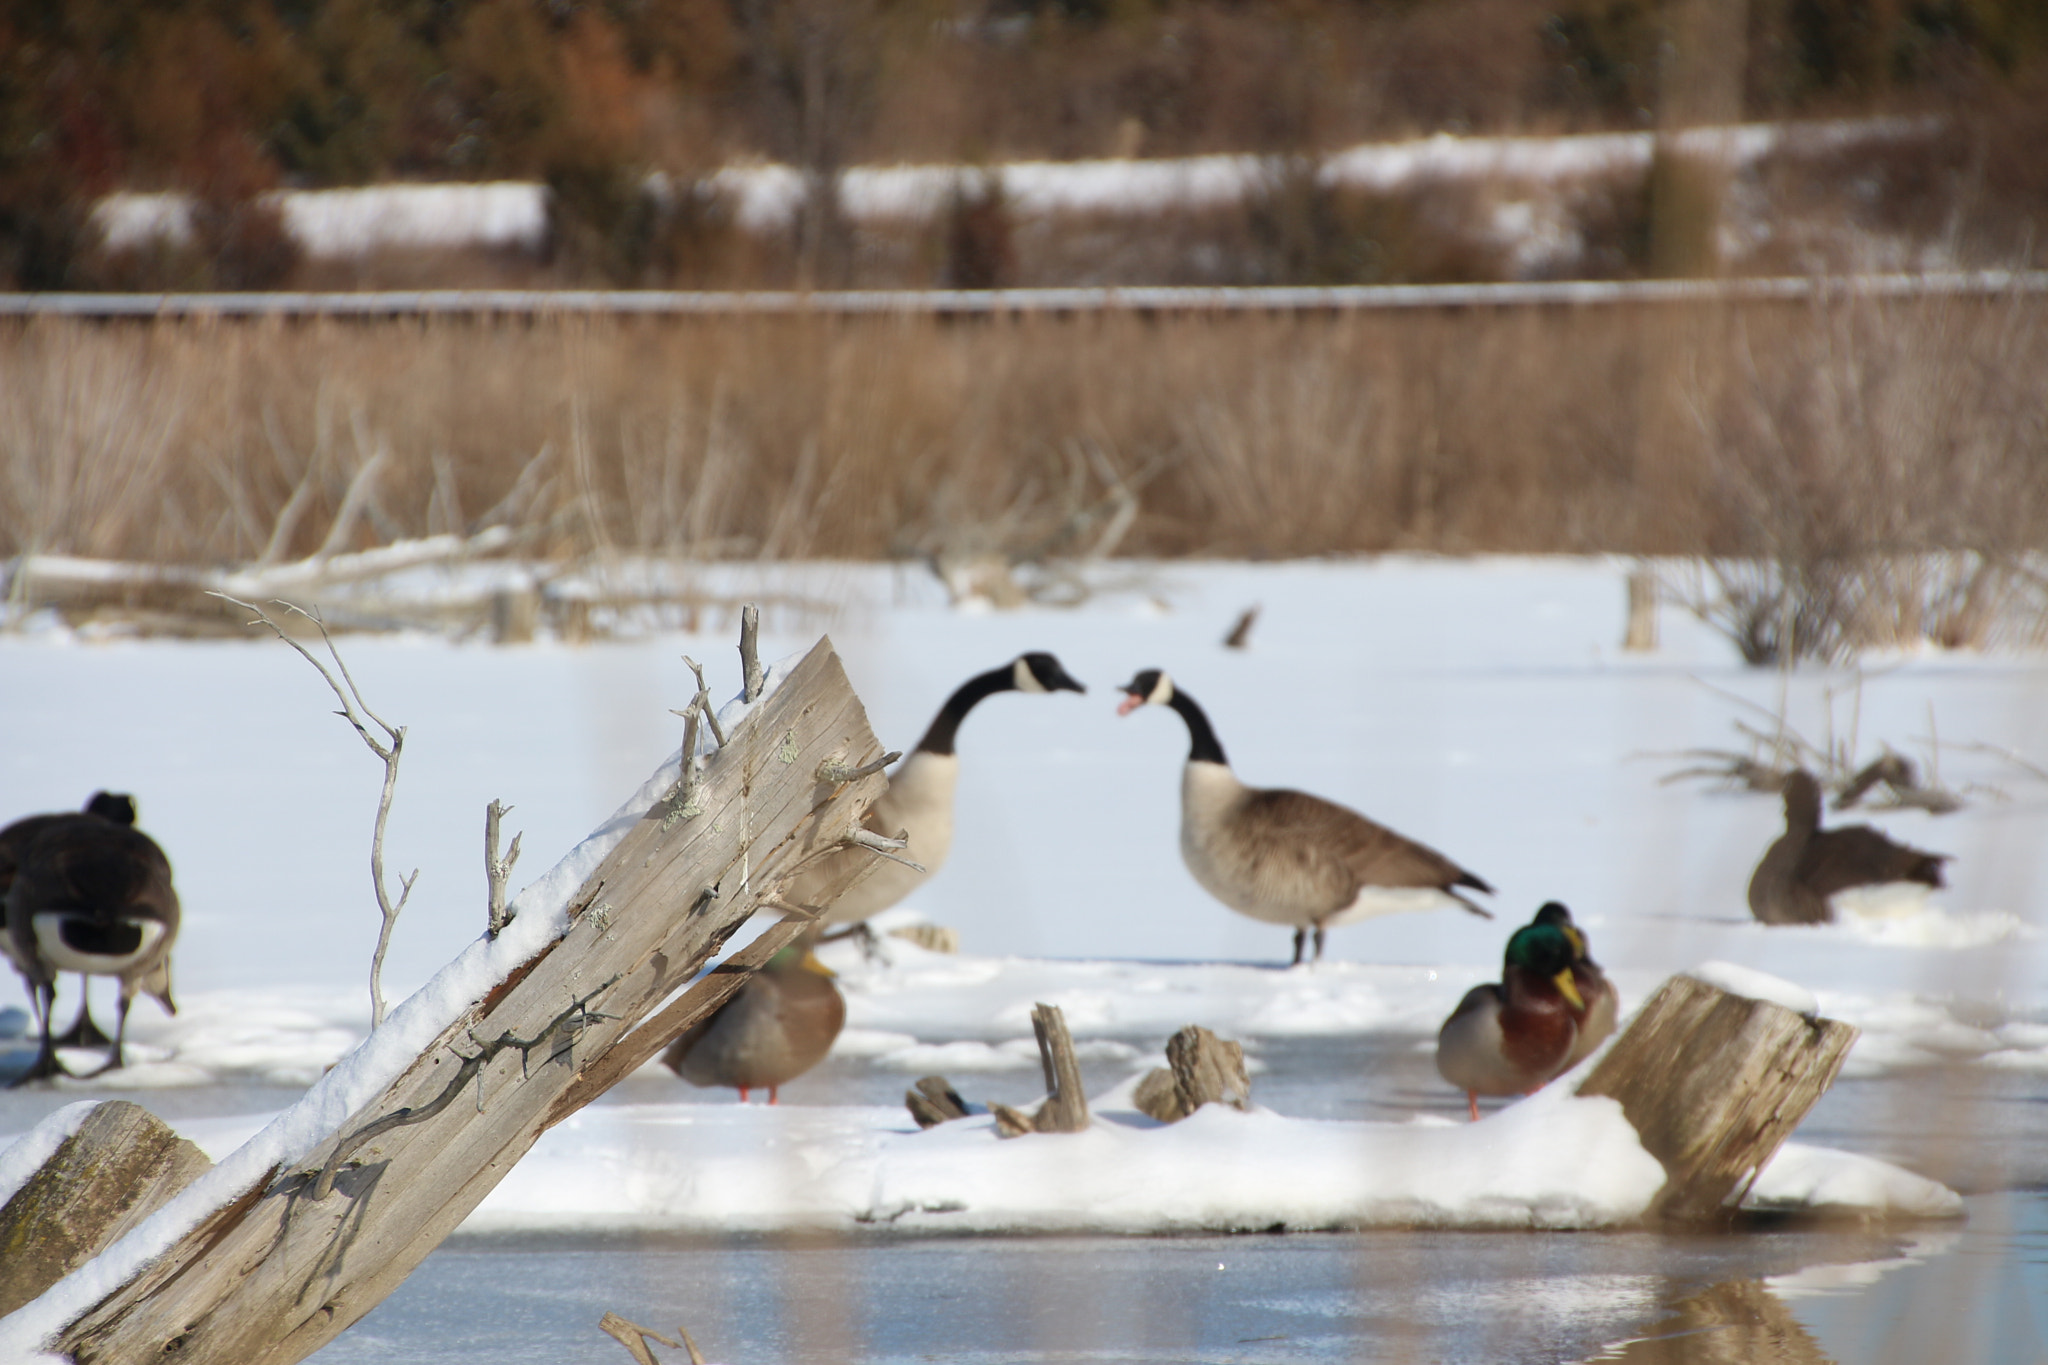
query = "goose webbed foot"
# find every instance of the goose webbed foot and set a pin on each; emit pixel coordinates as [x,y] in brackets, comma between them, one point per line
[83,1031]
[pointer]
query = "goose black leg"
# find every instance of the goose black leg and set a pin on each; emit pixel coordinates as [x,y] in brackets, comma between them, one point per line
[1319,940]
[1300,942]
[83,1031]
[46,1064]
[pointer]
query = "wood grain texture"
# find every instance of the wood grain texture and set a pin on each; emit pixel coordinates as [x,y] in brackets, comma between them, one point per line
[1713,1084]
[280,1273]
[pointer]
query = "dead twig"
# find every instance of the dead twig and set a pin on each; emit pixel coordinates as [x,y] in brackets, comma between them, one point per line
[750,653]
[354,710]
[496,870]
[634,1338]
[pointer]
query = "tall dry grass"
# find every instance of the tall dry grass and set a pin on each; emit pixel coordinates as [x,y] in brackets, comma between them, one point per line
[1805,433]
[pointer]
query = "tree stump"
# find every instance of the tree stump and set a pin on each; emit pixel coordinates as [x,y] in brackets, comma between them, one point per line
[122,1165]
[1204,1069]
[1641,634]
[1713,1084]
[1066,1106]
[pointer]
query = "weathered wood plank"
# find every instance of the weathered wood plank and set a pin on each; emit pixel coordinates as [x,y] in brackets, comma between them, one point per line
[284,1271]
[1713,1084]
[122,1165]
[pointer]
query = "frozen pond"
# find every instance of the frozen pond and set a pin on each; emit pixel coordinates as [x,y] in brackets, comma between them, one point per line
[1485,710]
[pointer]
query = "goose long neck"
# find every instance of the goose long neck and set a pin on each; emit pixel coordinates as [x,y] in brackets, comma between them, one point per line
[939,738]
[1203,746]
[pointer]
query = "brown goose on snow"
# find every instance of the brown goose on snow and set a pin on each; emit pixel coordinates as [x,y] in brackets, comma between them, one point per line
[1284,856]
[1807,865]
[87,892]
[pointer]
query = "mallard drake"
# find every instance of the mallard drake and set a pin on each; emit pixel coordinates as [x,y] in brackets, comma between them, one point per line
[1603,1003]
[1286,857]
[1807,865]
[87,892]
[919,802]
[1508,1038]
[778,1026]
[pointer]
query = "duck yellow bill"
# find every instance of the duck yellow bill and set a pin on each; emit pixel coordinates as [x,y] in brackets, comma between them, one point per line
[810,963]
[1569,988]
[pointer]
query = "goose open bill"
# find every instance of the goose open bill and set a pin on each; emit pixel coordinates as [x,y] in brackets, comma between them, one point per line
[1807,865]
[778,1026]
[1509,1037]
[87,892]
[918,805]
[1286,857]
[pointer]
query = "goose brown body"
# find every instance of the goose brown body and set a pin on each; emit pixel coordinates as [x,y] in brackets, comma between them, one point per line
[1288,857]
[778,1026]
[87,892]
[1807,865]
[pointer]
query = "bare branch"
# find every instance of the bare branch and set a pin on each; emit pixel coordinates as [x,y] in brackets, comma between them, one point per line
[496,871]
[704,700]
[882,846]
[750,652]
[836,772]
[354,710]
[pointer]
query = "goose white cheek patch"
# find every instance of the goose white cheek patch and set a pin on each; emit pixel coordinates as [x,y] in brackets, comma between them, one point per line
[62,956]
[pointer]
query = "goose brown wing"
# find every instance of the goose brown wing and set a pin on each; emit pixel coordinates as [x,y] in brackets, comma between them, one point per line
[1358,851]
[1857,855]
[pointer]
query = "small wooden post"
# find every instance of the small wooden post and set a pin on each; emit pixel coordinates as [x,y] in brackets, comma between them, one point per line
[1641,635]
[1713,1084]
[122,1165]
[1066,1105]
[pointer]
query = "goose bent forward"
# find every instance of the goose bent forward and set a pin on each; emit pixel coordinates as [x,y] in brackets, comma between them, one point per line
[1286,857]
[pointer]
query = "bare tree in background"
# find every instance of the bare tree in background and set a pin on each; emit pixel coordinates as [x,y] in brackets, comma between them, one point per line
[814,69]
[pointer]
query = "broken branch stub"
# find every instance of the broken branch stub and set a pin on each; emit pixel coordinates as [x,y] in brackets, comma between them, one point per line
[277,1274]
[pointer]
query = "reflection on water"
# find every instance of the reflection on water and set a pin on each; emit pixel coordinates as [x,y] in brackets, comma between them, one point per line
[1737,1322]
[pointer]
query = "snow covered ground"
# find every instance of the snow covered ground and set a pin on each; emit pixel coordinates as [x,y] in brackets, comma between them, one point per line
[1479,705]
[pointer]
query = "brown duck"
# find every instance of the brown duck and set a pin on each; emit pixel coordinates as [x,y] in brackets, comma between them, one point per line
[1287,857]
[778,1026]
[87,892]
[1806,865]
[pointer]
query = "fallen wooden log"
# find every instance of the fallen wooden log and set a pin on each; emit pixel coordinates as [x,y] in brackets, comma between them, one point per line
[287,1262]
[122,1165]
[933,1101]
[1713,1083]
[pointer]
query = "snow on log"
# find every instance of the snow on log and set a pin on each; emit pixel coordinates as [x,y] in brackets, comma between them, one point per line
[121,1165]
[1713,1083]
[304,1252]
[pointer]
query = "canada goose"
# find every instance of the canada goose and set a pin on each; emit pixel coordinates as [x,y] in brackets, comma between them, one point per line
[1603,1003]
[778,1026]
[1286,857]
[919,802]
[1511,1037]
[88,893]
[84,1032]
[1806,865]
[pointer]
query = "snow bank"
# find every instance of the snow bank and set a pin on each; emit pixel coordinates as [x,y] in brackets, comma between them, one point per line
[1756,985]
[1817,1178]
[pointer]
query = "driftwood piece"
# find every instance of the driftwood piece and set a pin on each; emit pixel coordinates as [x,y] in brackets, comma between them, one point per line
[634,1338]
[933,1101]
[1200,1069]
[122,1165]
[1713,1084]
[933,938]
[279,1271]
[1066,1105]
[1641,633]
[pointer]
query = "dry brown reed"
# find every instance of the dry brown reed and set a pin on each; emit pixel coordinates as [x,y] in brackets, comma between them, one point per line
[1808,434]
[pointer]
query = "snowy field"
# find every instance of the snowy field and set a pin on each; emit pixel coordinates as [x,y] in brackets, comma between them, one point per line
[1481,706]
